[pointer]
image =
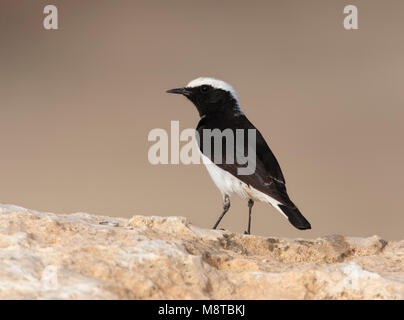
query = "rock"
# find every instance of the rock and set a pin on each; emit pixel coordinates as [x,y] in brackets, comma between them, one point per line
[82,256]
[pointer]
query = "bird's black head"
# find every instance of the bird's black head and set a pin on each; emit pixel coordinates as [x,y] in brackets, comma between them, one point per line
[210,95]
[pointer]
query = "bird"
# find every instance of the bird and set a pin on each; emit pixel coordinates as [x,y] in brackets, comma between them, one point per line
[219,108]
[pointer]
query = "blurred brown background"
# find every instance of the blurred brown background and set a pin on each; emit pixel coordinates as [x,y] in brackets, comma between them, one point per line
[77,104]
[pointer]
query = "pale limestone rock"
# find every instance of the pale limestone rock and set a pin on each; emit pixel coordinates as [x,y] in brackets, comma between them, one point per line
[82,256]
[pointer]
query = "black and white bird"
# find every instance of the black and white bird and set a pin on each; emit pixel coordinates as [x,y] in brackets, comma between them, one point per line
[219,108]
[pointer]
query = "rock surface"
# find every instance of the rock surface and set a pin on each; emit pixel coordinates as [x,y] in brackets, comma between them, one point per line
[83,256]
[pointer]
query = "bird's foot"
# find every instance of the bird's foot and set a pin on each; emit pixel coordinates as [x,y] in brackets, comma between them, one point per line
[111,223]
[246,232]
[221,229]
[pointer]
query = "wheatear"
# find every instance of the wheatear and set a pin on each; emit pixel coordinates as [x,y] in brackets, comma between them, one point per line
[219,108]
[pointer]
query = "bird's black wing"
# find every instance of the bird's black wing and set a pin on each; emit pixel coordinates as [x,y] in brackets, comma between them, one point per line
[267,177]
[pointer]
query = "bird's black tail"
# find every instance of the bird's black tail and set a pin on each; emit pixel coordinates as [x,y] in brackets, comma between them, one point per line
[295,217]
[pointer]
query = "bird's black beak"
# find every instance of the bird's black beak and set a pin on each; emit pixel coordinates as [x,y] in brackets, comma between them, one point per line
[182,91]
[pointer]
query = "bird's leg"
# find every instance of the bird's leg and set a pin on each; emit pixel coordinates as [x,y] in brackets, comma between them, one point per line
[250,205]
[226,206]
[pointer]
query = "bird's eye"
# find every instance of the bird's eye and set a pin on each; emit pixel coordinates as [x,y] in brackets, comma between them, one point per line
[204,89]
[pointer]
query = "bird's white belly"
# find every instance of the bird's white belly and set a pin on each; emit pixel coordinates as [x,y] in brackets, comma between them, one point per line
[226,182]
[229,184]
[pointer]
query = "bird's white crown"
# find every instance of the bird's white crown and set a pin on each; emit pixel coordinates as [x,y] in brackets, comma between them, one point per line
[215,83]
